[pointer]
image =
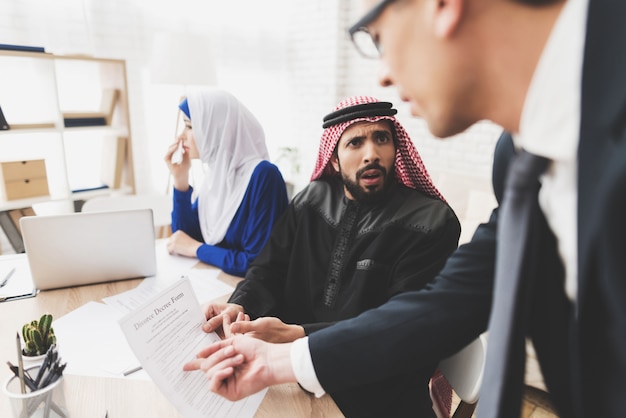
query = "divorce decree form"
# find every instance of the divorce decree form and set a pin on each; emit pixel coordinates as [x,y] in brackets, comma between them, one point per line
[165,333]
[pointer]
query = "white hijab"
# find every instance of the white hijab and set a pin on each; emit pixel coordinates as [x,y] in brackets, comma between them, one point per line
[231,143]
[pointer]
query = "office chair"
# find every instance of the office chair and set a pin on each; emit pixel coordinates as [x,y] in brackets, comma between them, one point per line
[464,373]
[161,206]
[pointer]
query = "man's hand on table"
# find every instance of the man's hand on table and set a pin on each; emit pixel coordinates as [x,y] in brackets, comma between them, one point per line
[268,329]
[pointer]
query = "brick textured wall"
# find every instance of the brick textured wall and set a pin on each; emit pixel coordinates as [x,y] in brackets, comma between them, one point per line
[290,61]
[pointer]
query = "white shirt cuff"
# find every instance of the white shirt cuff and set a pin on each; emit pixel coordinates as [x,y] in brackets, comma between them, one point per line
[302,366]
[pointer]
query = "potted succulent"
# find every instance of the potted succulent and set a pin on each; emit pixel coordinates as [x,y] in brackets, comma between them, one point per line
[38,336]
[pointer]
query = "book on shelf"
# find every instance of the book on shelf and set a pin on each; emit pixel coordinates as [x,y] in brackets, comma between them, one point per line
[113,158]
[4,125]
[78,121]
[97,118]
[25,48]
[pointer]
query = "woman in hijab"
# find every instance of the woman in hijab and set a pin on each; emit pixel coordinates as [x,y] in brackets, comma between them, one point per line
[242,193]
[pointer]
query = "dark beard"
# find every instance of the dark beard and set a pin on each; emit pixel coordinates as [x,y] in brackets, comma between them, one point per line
[366,195]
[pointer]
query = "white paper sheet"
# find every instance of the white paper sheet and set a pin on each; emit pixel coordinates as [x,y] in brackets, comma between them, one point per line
[164,334]
[21,282]
[91,342]
[207,286]
[170,269]
[130,300]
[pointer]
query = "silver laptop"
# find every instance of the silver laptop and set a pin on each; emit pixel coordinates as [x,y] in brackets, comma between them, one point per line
[92,247]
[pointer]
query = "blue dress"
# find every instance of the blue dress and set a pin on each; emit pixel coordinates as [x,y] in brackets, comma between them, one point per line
[264,201]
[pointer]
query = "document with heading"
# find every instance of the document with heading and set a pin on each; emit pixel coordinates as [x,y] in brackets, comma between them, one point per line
[165,333]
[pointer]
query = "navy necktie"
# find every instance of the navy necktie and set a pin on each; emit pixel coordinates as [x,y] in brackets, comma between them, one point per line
[506,354]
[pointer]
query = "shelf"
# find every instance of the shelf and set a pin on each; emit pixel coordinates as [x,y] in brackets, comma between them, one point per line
[73,155]
[22,126]
[25,203]
[100,192]
[109,130]
[27,54]
[31,130]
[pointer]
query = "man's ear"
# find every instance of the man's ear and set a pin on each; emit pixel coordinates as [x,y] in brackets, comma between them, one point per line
[334,160]
[448,14]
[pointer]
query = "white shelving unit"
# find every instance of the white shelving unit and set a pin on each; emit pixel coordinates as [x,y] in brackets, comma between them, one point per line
[36,88]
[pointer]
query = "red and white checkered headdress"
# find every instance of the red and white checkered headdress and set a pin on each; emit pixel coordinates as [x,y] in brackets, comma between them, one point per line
[409,168]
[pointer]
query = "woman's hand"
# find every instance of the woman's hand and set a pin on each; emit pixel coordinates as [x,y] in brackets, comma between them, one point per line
[179,172]
[182,244]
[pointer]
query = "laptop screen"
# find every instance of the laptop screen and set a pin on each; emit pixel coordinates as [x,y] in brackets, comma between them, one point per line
[89,247]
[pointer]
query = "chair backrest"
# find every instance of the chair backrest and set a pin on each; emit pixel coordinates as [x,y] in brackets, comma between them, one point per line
[161,206]
[464,372]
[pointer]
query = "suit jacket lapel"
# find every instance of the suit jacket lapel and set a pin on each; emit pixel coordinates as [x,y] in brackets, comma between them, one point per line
[603,115]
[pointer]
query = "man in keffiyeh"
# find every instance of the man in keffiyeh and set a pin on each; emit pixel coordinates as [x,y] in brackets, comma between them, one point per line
[370,225]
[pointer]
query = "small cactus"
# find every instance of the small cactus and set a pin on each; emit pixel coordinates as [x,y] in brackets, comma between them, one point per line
[38,336]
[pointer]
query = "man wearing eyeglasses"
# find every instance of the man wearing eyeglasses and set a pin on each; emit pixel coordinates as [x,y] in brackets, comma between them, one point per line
[552,72]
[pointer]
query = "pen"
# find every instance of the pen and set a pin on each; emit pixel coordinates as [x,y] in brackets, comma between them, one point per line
[58,374]
[45,365]
[131,371]
[47,380]
[27,379]
[20,363]
[53,376]
[7,277]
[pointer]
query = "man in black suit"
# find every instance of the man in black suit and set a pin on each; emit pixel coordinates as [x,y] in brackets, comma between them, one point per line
[552,72]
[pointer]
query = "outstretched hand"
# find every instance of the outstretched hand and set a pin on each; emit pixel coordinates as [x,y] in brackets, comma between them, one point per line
[241,366]
[269,329]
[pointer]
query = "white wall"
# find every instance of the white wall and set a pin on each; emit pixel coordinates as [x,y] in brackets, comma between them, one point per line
[290,61]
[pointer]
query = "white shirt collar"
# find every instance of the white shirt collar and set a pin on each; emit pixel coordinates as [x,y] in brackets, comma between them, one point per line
[550,120]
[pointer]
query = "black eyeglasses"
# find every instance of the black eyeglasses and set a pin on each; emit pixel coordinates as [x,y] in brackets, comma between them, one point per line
[360,35]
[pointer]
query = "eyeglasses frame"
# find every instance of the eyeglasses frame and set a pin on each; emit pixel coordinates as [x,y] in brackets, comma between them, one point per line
[362,24]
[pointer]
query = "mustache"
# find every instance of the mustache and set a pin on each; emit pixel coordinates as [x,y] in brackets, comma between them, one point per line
[372,166]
